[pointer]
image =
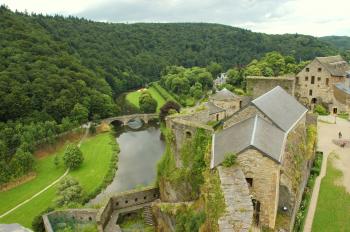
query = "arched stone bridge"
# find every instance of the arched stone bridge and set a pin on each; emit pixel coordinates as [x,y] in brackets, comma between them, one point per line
[126,118]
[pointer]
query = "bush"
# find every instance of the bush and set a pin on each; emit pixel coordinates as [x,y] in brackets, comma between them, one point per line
[147,103]
[321,110]
[38,223]
[230,159]
[69,191]
[73,157]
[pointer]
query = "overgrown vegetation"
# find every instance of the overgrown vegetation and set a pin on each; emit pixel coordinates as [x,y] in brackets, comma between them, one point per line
[192,158]
[230,159]
[305,202]
[320,110]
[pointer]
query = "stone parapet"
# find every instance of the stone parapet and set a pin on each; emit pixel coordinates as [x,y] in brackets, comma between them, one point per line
[239,209]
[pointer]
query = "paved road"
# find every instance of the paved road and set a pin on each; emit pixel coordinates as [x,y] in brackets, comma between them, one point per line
[327,132]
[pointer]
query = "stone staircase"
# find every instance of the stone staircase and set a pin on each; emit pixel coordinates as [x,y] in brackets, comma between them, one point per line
[147,215]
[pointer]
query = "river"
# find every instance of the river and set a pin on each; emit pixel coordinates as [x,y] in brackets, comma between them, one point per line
[140,151]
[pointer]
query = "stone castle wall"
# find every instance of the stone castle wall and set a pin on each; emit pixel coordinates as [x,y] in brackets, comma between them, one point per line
[79,215]
[258,85]
[238,215]
[125,200]
[265,177]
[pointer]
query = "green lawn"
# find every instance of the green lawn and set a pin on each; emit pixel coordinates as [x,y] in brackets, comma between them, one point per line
[97,152]
[333,206]
[133,97]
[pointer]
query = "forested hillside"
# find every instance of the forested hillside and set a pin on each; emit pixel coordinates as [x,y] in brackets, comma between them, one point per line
[56,72]
[341,42]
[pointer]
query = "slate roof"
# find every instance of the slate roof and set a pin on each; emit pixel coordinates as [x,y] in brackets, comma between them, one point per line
[223,95]
[213,109]
[283,109]
[252,132]
[342,87]
[335,65]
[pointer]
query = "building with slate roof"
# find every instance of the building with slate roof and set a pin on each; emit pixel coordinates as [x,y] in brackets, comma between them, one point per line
[317,82]
[227,100]
[261,135]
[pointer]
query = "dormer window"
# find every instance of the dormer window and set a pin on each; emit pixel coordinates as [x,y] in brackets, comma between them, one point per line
[307,70]
[319,69]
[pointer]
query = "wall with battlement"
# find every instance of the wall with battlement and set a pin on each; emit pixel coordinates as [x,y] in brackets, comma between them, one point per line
[125,200]
[78,215]
[258,85]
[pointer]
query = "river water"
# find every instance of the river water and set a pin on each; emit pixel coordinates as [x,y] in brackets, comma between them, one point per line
[140,151]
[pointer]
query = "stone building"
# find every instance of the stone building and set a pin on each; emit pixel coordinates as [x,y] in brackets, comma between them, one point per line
[259,134]
[318,81]
[227,100]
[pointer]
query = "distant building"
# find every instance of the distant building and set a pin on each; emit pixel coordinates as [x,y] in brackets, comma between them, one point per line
[227,100]
[324,81]
[221,79]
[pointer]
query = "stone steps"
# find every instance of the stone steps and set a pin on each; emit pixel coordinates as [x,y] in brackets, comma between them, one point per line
[148,216]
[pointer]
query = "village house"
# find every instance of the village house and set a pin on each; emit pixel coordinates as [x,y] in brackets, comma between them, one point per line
[325,81]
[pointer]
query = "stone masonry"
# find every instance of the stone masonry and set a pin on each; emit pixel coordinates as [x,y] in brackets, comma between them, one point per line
[258,85]
[239,211]
[264,173]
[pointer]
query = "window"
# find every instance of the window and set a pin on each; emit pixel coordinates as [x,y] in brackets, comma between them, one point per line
[306,78]
[319,69]
[310,92]
[307,70]
[318,78]
[188,134]
[313,100]
[297,80]
[313,80]
[327,81]
[249,181]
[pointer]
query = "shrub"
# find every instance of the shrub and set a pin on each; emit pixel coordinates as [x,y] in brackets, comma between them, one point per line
[147,103]
[73,157]
[38,223]
[230,159]
[321,110]
[69,191]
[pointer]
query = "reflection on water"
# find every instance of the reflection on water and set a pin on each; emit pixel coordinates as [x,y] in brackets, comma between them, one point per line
[135,123]
[139,154]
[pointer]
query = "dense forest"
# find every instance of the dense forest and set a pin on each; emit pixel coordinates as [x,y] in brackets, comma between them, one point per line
[341,42]
[57,73]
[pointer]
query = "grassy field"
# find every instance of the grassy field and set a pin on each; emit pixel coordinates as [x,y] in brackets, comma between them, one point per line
[133,97]
[97,152]
[333,206]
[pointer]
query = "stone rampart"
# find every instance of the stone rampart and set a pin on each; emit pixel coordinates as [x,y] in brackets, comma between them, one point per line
[258,85]
[78,215]
[125,200]
[238,215]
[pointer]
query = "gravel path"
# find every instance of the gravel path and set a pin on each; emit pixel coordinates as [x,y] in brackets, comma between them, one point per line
[328,129]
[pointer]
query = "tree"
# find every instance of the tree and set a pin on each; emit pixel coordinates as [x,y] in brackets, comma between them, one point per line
[69,192]
[214,68]
[80,113]
[167,107]
[73,157]
[56,161]
[147,103]
[21,163]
